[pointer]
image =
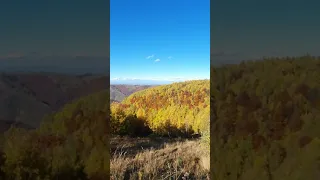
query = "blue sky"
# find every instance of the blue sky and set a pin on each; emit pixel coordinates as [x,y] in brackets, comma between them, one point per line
[251,29]
[160,40]
[34,33]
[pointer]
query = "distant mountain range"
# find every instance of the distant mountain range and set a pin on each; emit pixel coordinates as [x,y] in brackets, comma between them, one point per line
[119,92]
[139,82]
[151,81]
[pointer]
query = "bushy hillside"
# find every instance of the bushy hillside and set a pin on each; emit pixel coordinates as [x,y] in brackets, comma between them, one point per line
[70,144]
[175,109]
[266,119]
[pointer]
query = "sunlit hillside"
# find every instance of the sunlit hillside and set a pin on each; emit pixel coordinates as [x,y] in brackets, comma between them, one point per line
[175,109]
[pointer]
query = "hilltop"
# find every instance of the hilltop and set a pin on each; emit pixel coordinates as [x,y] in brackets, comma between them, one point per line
[266,119]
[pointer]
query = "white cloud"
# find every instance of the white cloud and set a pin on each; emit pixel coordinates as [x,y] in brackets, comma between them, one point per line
[157,60]
[149,57]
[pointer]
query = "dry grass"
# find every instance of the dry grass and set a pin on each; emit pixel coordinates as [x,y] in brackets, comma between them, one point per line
[165,160]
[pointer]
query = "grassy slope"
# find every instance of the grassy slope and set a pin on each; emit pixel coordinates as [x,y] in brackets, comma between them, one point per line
[166,159]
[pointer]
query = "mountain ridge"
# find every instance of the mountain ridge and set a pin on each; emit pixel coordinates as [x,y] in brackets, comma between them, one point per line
[182,107]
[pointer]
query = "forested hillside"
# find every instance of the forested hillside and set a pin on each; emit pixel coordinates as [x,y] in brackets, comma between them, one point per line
[166,117]
[172,110]
[70,144]
[265,122]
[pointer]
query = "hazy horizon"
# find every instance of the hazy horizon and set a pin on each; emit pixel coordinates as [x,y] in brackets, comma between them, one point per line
[135,81]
